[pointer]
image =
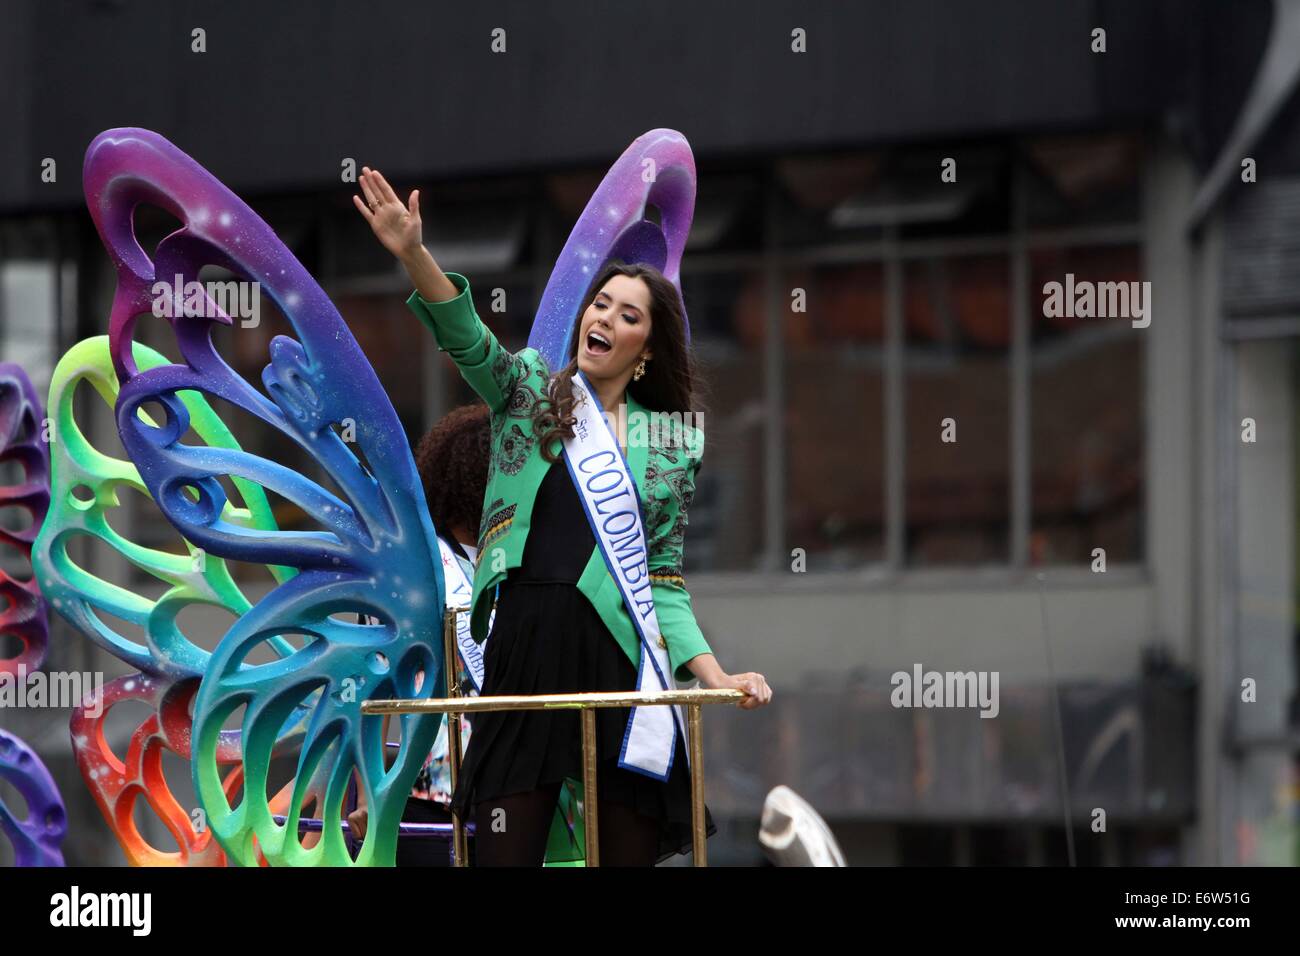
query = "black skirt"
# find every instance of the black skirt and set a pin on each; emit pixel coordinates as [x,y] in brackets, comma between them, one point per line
[548,639]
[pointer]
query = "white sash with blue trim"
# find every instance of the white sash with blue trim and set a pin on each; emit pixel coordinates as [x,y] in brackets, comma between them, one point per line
[612,503]
[458,581]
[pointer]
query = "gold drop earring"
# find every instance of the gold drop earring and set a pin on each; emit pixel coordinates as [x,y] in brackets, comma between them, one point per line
[639,370]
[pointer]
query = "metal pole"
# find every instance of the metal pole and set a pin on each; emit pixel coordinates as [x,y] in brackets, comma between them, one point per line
[694,731]
[460,849]
[589,786]
[578,701]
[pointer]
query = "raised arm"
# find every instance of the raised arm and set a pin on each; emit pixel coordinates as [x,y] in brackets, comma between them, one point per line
[441,300]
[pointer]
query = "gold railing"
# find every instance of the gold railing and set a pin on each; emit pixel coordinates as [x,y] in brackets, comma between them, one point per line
[454,705]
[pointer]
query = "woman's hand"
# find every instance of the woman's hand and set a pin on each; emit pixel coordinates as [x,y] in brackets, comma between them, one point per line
[395,225]
[357,821]
[398,228]
[710,675]
[755,685]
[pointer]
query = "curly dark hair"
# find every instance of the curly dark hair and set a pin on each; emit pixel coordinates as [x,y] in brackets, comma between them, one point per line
[669,384]
[453,459]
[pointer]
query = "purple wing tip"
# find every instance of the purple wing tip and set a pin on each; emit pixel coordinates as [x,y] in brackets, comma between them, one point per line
[613,225]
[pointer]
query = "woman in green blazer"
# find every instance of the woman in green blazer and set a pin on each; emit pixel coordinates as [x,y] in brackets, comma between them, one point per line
[631,327]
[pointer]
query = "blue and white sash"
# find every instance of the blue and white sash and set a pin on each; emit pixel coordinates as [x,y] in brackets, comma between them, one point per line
[457,577]
[458,580]
[613,506]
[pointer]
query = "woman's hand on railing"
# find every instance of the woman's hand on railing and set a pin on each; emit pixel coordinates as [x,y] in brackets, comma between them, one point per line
[753,684]
[712,677]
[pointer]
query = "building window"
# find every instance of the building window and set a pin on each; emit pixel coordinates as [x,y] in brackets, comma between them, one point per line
[970,428]
[727,517]
[1086,415]
[834,374]
[957,316]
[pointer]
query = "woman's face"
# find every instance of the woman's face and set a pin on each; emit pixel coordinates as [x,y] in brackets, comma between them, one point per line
[615,330]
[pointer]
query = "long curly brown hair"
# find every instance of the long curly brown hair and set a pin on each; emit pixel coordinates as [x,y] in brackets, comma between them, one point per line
[453,458]
[669,383]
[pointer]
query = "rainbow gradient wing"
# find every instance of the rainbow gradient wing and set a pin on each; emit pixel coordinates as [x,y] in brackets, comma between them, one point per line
[118,782]
[90,490]
[373,552]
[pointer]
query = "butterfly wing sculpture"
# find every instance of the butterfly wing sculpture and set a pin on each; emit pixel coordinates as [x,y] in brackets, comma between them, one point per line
[37,833]
[373,550]
[118,783]
[90,491]
[89,487]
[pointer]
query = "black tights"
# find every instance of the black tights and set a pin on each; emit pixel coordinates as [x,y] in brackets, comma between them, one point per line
[512,831]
